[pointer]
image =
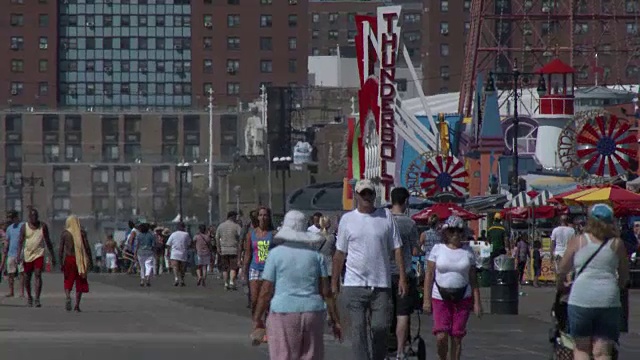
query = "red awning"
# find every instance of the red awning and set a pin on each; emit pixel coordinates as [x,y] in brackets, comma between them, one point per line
[443,211]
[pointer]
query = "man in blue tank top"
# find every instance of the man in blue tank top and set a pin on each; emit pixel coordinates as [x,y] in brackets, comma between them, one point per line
[10,257]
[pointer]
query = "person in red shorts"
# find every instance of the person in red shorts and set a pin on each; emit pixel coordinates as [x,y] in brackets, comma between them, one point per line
[34,235]
[75,257]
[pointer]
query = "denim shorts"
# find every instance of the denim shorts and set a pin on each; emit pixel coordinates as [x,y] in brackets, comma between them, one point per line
[601,323]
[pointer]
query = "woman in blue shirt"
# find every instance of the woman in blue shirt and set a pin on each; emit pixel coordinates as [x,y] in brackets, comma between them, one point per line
[295,287]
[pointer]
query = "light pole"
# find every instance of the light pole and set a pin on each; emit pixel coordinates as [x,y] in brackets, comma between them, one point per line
[183,169]
[490,87]
[210,190]
[282,164]
[137,184]
[236,191]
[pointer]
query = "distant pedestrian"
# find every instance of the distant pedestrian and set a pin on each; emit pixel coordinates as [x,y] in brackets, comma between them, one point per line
[522,255]
[129,248]
[368,237]
[537,263]
[111,254]
[11,255]
[229,248]
[145,241]
[498,238]
[315,226]
[98,247]
[203,254]
[328,246]
[178,247]
[158,251]
[560,237]
[295,287]
[257,246]
[76,261]
[246,230]
[34,236]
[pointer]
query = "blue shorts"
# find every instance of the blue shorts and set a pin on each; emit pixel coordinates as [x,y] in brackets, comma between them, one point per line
[603,323]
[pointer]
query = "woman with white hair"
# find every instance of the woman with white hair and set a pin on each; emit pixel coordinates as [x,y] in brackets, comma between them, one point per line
[295,287]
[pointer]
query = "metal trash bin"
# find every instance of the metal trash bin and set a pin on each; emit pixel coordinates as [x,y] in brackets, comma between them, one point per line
[484,277]
[504,287]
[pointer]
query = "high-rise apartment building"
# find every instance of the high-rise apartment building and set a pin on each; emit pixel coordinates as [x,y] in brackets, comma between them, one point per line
[139,54]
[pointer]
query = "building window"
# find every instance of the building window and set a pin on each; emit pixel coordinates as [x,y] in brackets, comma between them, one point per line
[233,65]
[444,72]
[17,66]
[73,152]
[466,5]
[293,43]
[266,43]
[233,2]
[160,20]
[233,43]
[61,176]
[402,84]
[43,88]
[315,51]
[16,20]
[233,88]
[265,21]
[51,153]
[412,18]
[191,152]
[207,87]
[233,20]
[444,28]
[293,66]
[333,34]
[122,176]
[266,2]
[444,5]
[160,176]
[61,203]
[101,204]
[17,88]
[266,66]
[444,49]
[43,43]
[315,18]
[43,20]
[111,152]
[315,34]
[293,20]
[207,66]
[100,176]
[17,43]
[207,43]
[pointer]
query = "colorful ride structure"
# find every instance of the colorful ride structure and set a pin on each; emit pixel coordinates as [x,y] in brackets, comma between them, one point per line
[474,152]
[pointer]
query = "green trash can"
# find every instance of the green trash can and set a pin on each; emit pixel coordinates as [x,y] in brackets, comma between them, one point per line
[484,278]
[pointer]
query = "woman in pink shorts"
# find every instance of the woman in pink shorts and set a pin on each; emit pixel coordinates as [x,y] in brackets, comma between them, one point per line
[451,289]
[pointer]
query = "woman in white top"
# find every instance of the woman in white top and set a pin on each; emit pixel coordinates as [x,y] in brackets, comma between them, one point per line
[451,289]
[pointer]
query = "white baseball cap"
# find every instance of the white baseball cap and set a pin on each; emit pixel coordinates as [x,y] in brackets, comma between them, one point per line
[364,184]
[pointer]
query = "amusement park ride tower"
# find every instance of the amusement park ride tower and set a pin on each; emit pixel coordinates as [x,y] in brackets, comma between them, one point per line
[598,38]
[556,109]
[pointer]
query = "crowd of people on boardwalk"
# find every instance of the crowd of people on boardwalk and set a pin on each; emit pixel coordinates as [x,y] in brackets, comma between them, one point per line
[297,271]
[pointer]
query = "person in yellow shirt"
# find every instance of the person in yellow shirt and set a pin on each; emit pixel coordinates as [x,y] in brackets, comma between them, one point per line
[34,236]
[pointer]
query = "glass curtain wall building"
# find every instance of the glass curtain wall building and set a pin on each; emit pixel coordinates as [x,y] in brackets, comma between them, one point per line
[116,53]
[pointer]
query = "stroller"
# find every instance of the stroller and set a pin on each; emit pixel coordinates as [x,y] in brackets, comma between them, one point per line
[562,342]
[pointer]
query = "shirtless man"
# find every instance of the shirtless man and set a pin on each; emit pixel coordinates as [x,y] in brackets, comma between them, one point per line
[111,258]
[34,235]
[75,266]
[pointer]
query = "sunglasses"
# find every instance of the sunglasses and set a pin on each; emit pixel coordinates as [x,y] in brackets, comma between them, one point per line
[367,193]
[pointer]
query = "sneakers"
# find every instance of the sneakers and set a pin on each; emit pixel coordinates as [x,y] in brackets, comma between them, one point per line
[37,303]
[67,305]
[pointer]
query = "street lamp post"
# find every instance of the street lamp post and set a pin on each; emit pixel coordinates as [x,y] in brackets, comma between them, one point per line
[183,168]
[136,212]
[490,87]
[236,191]
[282,164]
[210,189]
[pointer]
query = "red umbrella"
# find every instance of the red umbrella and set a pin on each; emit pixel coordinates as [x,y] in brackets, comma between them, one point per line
[539,212]
[443,211]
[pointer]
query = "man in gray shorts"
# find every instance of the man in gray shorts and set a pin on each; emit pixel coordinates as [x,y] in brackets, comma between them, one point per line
[10,256]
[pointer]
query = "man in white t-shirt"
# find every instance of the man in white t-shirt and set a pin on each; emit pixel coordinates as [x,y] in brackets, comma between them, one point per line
[367,237]
[178,248]
[560,238]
